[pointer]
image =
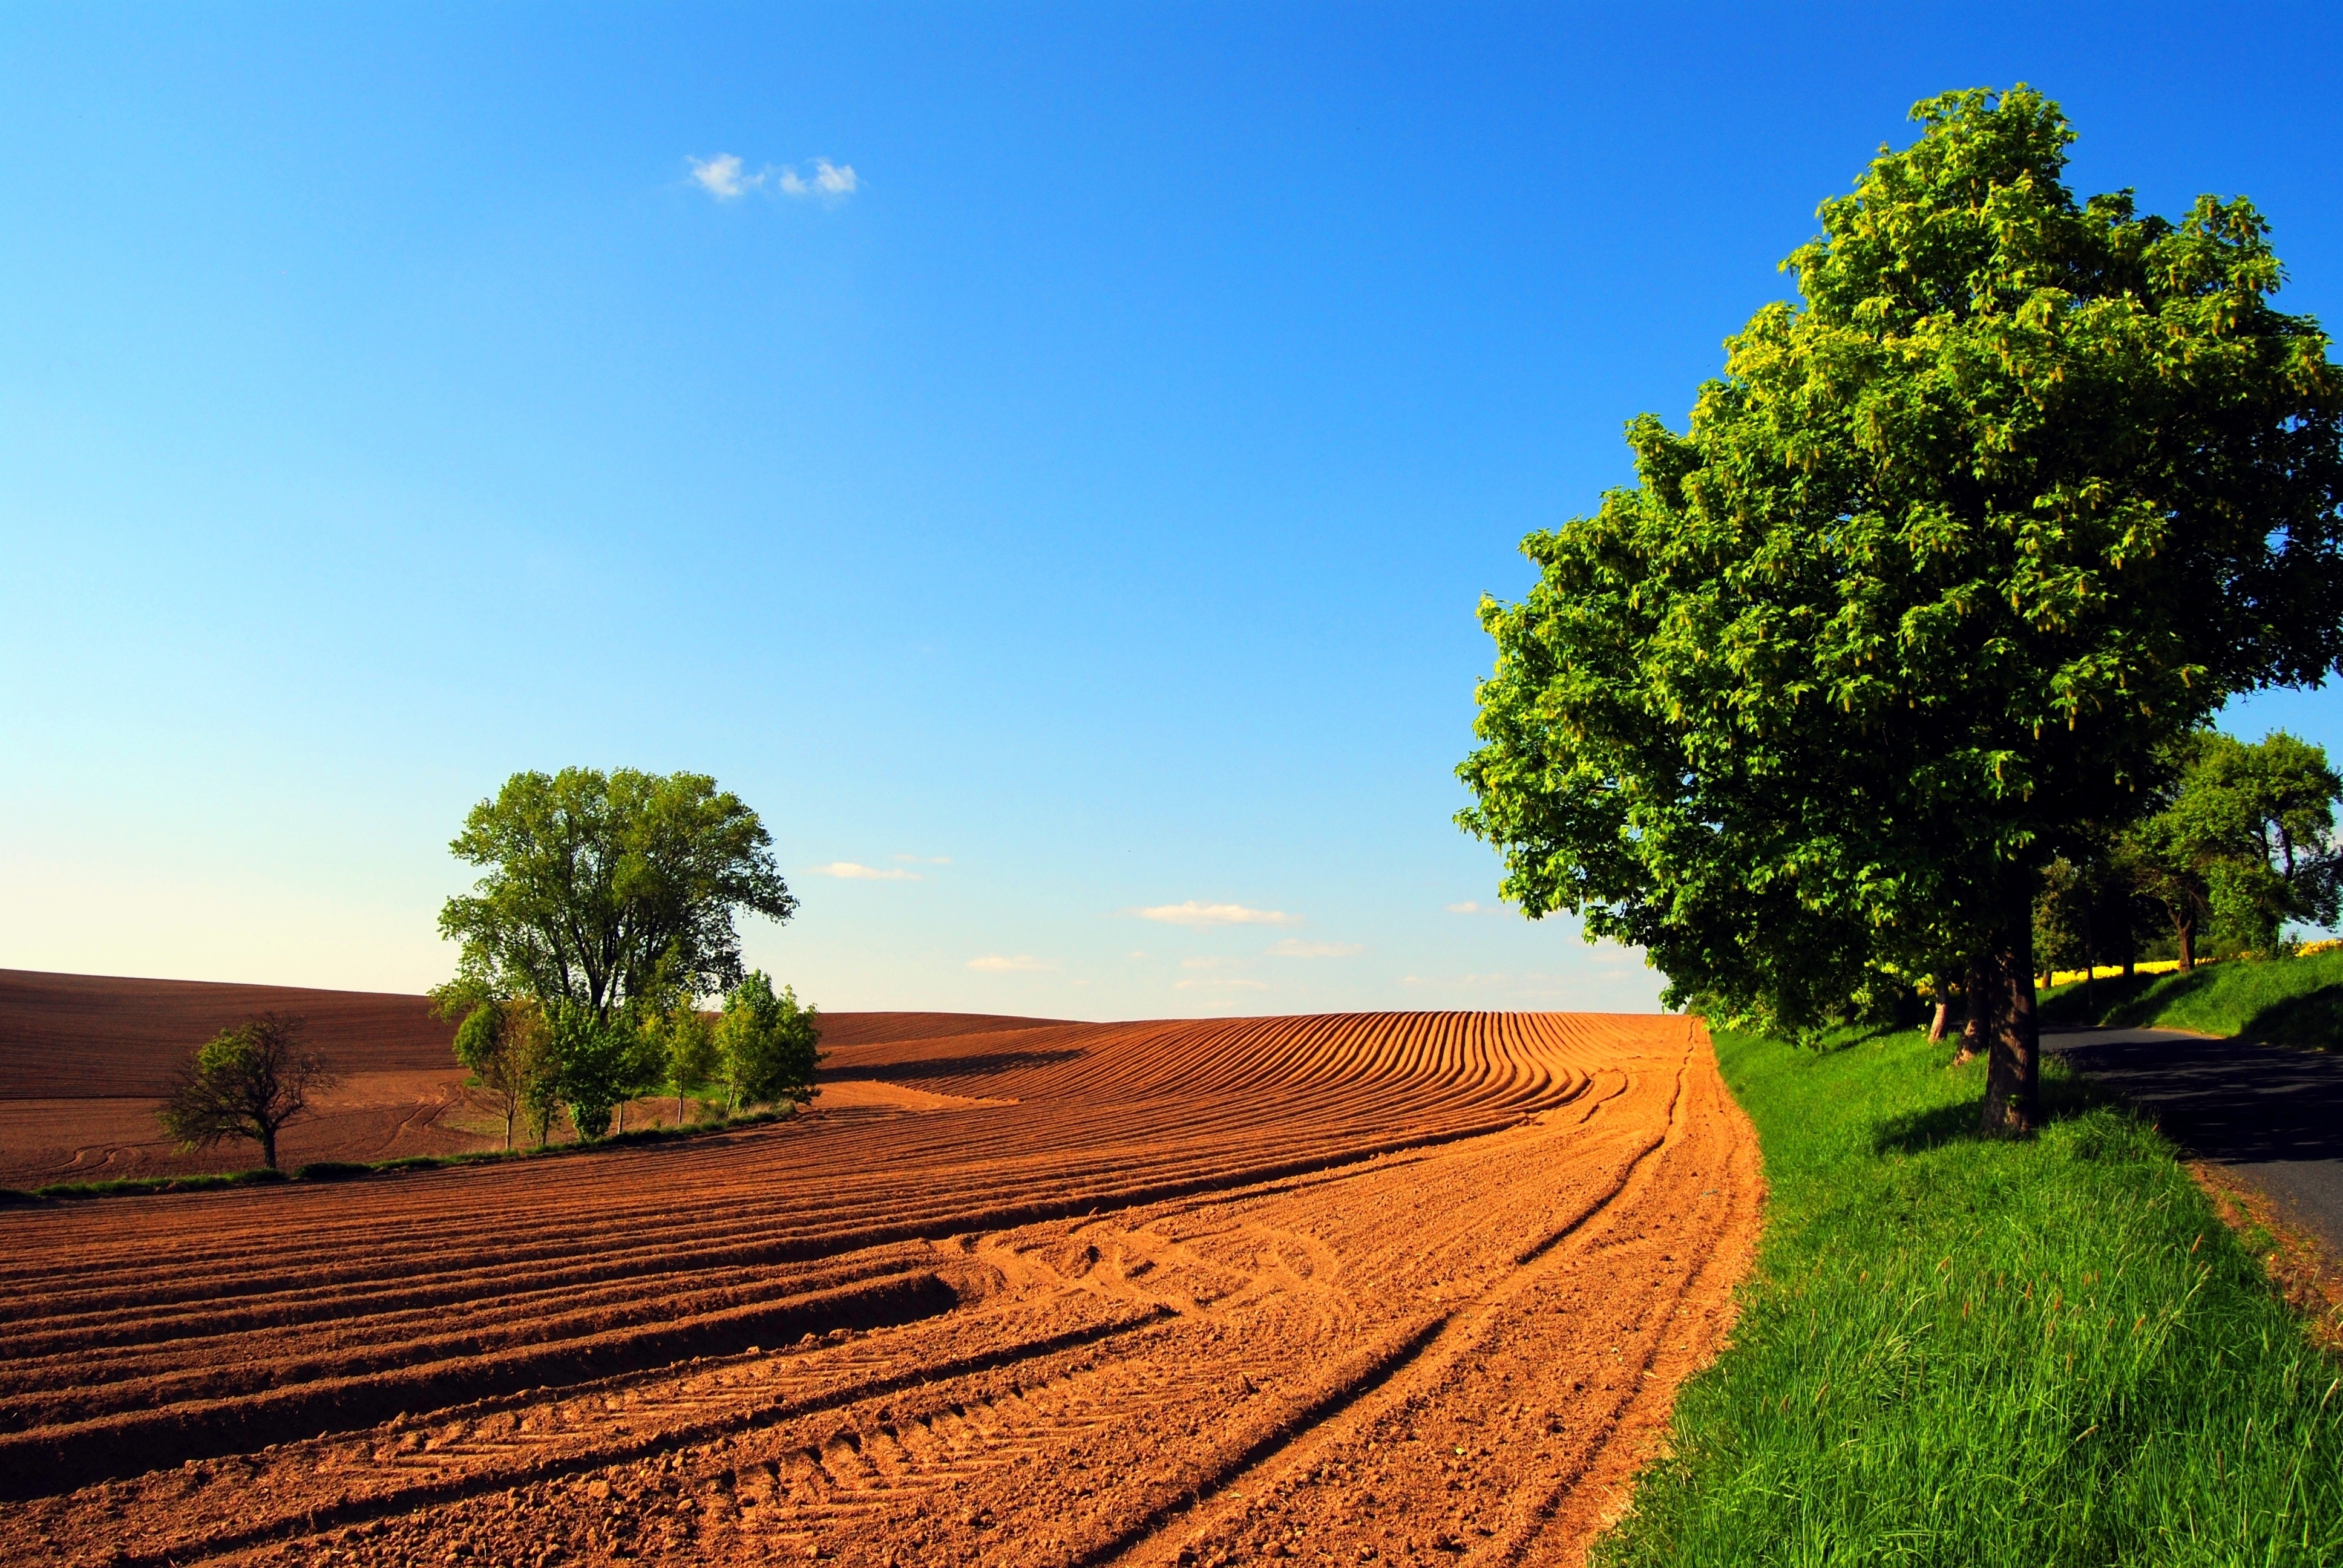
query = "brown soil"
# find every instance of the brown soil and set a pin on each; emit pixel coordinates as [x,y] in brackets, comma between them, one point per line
[83,1060]
[1398,1288]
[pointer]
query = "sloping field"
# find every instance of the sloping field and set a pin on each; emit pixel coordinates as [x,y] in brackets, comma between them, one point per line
[1376,1287]
[84,1059]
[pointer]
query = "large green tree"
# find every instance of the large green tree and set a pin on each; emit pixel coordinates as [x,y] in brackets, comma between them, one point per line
[2020,488]
[610,890]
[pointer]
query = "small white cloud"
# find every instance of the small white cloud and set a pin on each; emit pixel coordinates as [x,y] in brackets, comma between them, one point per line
[854,873]
[1001,964]
[1467,907]
[721,175]
[831,182]
[1295,948]
[925,859]
[1219,982]
[1134,955]
[1194,913]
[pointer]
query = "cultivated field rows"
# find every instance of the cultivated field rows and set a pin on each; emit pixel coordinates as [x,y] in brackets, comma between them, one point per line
[1393,1286]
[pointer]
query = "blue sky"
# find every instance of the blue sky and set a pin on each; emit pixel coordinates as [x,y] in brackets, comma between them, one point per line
[1070,505]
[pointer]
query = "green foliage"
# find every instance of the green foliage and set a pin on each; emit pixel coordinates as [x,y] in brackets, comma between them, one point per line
[2278,1002]
[247,1082]
[684,1043]
[1958,1351]
[610,889]
[597,1063]
[769,1044]
[508,1047]
[2021,489]
[2244,840]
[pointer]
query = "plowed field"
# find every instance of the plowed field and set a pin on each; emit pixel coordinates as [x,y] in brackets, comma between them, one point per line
[1408,1288]
[83,1060]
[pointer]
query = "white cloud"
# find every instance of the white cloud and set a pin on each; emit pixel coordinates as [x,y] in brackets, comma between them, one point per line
[830,182]
[1000,964]
[1295,948]
[1467,907]
[1194,913]
[721,175]
[925,859]
[1219,982]
[854,873]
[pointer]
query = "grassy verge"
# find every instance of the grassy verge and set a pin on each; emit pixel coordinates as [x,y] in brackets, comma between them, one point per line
[2279,1001]
[1961,1352]
[351,1170]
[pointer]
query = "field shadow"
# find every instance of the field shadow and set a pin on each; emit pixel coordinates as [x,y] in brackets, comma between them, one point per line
[979,1065]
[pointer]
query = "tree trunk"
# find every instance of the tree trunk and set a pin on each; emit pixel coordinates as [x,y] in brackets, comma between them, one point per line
[268,1146]
[1973,1030]
[2090,966]
[2187,945]
[2012,1082]
[1939,1025]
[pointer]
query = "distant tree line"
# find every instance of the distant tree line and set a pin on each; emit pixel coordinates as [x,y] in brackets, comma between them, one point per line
[2238,844]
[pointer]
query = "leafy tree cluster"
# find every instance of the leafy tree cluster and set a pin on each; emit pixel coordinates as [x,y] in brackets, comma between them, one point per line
[2238,844]
[606,910]
[1956,553]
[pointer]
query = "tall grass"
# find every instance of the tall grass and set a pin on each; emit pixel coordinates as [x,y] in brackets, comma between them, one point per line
[1961,1352]
[2279,1001]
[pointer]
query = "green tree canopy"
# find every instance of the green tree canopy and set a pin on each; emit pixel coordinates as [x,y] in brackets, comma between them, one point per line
[508,1049]
[247,1082]
[768,1043]
[607,890]
[2019,490]
[2243,839]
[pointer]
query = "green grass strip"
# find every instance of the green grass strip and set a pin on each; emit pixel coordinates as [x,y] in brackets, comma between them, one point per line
[2278,1002]
[1960,1352]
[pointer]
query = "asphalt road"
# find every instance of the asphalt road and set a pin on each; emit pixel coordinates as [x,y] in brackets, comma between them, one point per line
[2274,1116]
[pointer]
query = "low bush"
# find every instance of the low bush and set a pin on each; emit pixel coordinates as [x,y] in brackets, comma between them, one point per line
[1955,1351]
[2279,1001]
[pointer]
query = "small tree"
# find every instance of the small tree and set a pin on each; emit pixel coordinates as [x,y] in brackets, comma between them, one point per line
[686,1040]
[595,1058]
[247,1082]
[768,1044]
[507,1046]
